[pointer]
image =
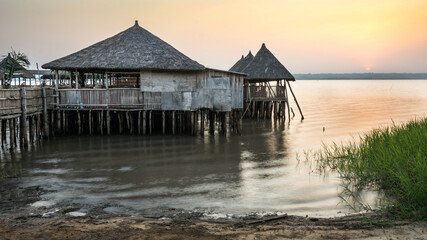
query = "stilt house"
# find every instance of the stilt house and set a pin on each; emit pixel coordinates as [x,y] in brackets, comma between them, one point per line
[265,90]
[140,74]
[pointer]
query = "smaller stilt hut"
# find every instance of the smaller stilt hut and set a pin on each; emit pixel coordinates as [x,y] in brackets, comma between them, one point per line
[265,90]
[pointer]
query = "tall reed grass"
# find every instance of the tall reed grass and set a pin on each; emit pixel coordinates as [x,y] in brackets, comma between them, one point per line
[390,159]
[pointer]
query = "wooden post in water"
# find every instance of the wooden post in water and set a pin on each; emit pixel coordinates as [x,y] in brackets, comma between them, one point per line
[45,115]
[31,128]
[139,122]
[211,122]
[12,133]
[295,99]
[79,123]
[149,121]
[173,122]
[101,122]
[163,123]
[3,132]
[144,122]
[90,122]
[23,131]
[108,122]
[38,128]
[202,122]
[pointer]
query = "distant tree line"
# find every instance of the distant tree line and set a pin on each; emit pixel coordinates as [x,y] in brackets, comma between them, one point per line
[353,76]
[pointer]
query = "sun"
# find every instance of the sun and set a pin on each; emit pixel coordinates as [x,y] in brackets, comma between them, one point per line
[368,68]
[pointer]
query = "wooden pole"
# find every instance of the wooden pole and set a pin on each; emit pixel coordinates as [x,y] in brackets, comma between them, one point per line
[23,121]
[3,132]
[38,128]
[211,122]
[90,122]
[139,122]
[163,123]
[173,122]
[120,122]
[144,122]
[202,122]
[11,134]
[45,115]
[31,128]
[295,99]
[77,79]
[149,121]
[101,122]
[108,122]
[79,123]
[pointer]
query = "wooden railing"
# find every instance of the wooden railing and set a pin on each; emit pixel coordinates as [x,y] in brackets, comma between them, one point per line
[11,101]
[264,92]
[115,98]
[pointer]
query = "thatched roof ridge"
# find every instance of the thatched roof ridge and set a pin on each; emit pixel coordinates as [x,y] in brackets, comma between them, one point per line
[242,63]
[132,49]
[265,66]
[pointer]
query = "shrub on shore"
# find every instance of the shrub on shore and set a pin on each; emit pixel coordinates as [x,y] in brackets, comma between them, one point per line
[391,159]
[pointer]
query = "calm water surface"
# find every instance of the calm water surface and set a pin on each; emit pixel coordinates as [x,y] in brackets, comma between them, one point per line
[254,173]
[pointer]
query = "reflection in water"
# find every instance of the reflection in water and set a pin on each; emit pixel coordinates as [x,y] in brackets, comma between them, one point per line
[254,172]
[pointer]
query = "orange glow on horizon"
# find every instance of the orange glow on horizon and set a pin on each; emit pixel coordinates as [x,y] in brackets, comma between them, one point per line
[306,36]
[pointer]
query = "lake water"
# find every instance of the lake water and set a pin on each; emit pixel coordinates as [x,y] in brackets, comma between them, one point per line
[257,172]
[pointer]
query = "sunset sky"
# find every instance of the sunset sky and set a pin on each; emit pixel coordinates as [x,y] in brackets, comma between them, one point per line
[307,36]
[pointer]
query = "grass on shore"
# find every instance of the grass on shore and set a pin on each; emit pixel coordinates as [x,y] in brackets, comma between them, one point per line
[390,159]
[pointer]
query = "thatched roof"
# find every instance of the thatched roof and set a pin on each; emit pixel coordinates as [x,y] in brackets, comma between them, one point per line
[132,49]
[242,63]
[265,67]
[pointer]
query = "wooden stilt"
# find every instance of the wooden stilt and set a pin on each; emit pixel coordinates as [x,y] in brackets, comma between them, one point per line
[144,122]
[295,99]
[202,122]
[173,122]
[90,122]
[119,115]
[163,123]
[38,128]
[149,122]
[79,124]
[58,121]
[127,120]
[31,129]
[108,122]
[3,132]
[139,122]
[23,121]
[12,133]
[101,122]
[211,122]
[45,115]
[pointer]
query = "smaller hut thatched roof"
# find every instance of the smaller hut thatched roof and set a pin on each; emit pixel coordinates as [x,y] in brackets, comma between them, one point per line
[265,66]
[132,49]
[242,63]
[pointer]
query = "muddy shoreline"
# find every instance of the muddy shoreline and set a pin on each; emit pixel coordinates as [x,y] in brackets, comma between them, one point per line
[19,219]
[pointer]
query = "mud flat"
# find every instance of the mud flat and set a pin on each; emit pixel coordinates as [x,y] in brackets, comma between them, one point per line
[24,215]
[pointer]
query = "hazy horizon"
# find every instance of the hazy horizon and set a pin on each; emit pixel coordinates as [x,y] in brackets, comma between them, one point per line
[330,36]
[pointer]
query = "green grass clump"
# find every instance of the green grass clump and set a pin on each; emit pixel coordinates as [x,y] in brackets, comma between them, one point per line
[390,159]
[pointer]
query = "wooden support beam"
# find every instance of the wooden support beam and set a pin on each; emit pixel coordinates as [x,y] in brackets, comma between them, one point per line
[173,122]
[31,129]
[90,122]
[139,122]
[295,99]
[202,122]
[23,121]
[79,123]
[163,123]
[11,134]
[101,122]
[149,122]
[144,122]
[45,115]
[108,122]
